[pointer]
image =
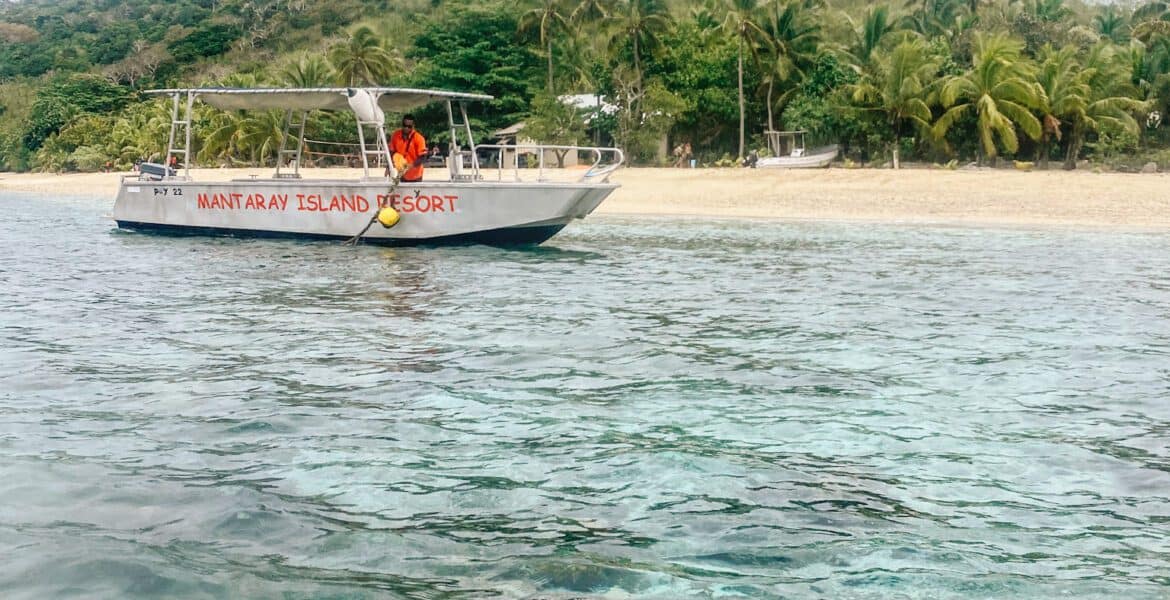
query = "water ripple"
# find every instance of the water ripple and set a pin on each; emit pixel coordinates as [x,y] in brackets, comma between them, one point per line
[647,408]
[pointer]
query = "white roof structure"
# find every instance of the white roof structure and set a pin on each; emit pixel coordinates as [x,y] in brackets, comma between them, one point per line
[389,99]
[586,103]
[589,102]
[508,131]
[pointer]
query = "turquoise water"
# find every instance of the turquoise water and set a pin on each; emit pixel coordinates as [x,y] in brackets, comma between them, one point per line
[643,408]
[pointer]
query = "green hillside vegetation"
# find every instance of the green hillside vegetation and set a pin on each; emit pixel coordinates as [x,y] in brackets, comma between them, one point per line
[1045,81]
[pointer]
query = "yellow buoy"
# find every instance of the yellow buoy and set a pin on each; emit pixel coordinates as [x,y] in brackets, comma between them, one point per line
[388,217]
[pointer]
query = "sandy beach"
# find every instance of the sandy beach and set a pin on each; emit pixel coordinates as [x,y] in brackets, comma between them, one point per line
[971,197]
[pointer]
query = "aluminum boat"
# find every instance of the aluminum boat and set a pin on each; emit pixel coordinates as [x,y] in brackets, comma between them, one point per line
[496,203]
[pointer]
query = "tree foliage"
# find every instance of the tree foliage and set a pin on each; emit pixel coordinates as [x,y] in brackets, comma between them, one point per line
[555,122]
[363,59]
[901,87]
[207,40]
[702,74]
[1000,90]
[967,78]
[66,98]
[473,51]
[821,107]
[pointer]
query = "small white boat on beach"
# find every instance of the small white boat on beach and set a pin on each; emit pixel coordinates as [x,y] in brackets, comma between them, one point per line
[788,152]
[499,204]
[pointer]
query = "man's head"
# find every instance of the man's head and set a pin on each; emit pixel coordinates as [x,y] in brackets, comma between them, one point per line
[408,122]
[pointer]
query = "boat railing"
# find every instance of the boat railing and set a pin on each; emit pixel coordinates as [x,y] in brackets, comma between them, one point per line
[505,158]
[522,163]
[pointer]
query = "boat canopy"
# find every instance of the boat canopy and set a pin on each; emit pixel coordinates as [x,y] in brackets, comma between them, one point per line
[373,149]
[389,99]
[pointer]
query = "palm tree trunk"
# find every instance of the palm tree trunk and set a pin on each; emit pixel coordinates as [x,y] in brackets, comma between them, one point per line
[1074,147]
[638,76]
[1070,158]
[550,67]
[740,62]
[771,127]
[896,146]
[596,128]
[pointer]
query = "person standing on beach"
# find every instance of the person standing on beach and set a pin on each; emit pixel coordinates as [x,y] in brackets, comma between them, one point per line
[412,147]
[682,155]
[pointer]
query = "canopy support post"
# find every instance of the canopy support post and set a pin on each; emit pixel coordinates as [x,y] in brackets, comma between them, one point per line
[382,149]
[178,124]
[456,154]
[470,138]
[285,151]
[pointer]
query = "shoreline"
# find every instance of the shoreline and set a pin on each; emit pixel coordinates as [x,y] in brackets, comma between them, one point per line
[977,197]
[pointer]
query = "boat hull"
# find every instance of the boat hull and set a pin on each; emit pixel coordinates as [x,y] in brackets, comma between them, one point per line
[815,160]
[431,212]
[509,236]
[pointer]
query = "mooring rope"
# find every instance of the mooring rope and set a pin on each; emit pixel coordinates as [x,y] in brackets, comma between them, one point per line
[353,241]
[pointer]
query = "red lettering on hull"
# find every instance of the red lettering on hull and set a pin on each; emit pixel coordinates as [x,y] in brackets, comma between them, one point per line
[421,203]
[406,203]
[241,201]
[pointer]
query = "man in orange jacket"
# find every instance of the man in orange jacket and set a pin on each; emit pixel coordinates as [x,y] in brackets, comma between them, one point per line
[412,147]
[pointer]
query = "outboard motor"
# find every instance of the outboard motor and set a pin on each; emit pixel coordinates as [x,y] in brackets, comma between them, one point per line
[154,172]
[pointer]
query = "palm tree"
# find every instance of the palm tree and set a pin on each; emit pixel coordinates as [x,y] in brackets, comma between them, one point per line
[792,46]
[1109,100]
[1065,94]
[222,137]
[586,51]
[869,35]
[223,131]
[363,58]
[901,87]
[706,21]
[545,17]
[947,18]
[252,135]
[1000,89]
[1111,24]
[262,131]
[141,132]
[742,21]
[590,12]
[1048,10]
[587,26]
[585,59]
[312,70]
[1155,10]
[1135,57]
[1150,23]
[640,22]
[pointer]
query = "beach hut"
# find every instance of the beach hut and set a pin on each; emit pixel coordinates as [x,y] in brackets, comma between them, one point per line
[512,135]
